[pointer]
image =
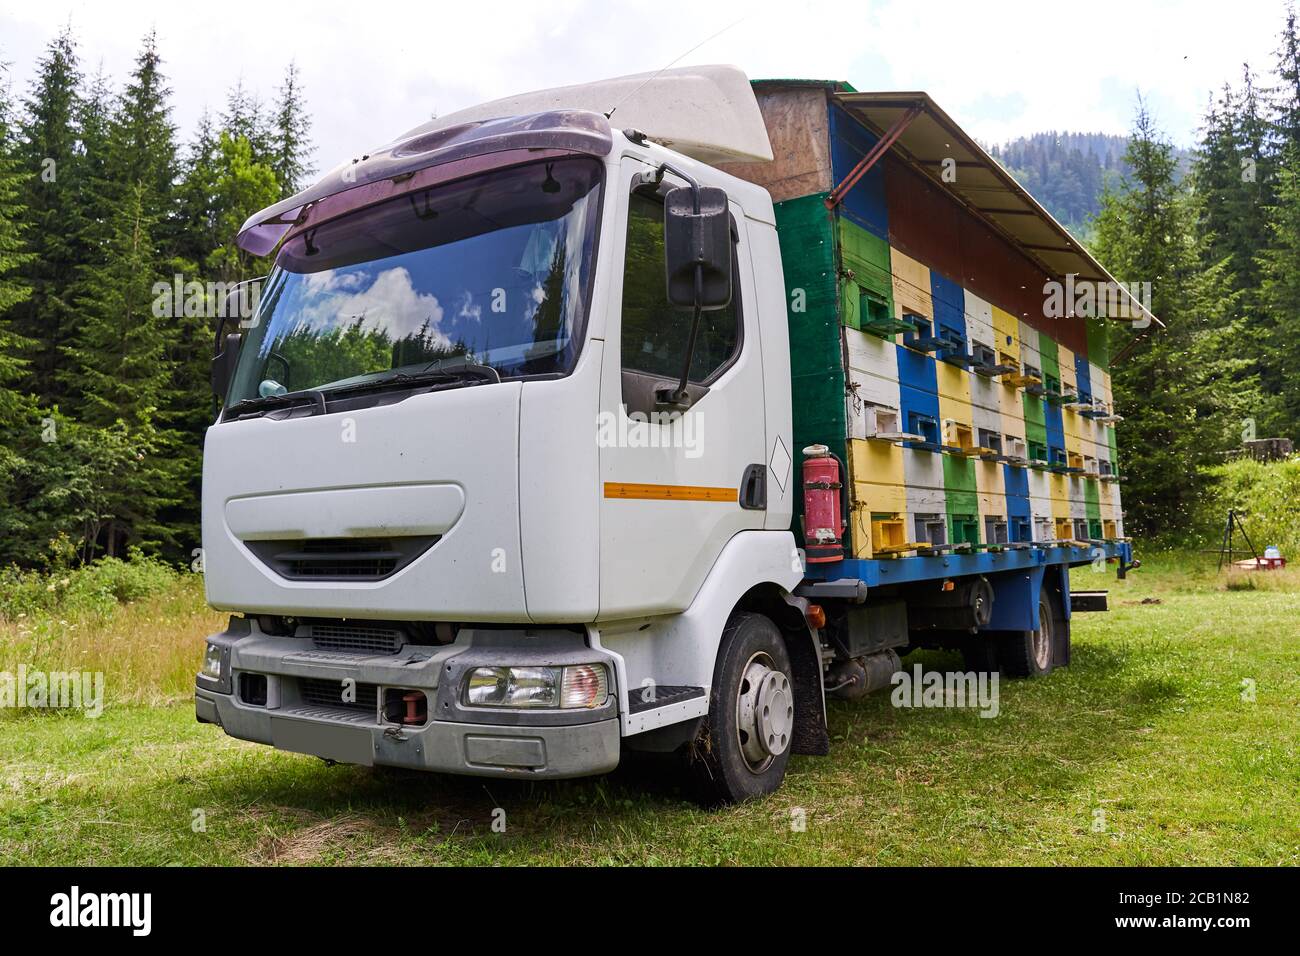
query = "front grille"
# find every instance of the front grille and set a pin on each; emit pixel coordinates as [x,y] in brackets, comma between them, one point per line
[340,559]
[357,638]
[322,692]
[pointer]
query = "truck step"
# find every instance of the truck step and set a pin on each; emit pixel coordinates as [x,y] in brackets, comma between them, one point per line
[1082,601]
[639,699]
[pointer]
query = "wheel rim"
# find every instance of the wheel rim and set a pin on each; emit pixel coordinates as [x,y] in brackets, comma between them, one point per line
[1042,640]
[764,712]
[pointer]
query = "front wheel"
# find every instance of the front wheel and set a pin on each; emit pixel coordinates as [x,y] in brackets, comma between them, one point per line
[743,746]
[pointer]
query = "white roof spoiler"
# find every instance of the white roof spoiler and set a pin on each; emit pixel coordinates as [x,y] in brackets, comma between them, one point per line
[706,112]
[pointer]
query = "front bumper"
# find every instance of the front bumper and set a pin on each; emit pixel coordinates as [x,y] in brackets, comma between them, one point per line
[456,739]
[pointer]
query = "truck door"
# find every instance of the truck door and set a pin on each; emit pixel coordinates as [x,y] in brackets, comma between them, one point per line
[675,486]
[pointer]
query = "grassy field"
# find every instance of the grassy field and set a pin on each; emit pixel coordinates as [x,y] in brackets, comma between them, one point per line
[1173,739]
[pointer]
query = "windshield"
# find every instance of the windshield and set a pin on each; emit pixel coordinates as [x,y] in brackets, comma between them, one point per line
[489,271]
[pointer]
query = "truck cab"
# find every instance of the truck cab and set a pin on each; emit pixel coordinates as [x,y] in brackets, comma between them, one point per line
[459,523]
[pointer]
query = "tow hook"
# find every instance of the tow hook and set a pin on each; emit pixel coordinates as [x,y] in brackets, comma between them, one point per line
[413,700]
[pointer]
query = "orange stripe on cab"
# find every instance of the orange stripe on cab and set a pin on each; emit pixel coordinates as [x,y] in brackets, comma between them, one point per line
[620,489]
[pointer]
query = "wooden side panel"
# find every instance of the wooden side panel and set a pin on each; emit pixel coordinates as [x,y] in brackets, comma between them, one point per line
[985,401]
[873,379]
[1040,503]
[865,202]
[1007,328]
[878,490]
[817,375]
[925,491]
[1035,425]
[911,281]
[954,397]
[1074,493]
[961,498]
[1092,507]
[1015,481]
[798,128]
[1059,488]
[1065,363]
[979,320]
[1030,357]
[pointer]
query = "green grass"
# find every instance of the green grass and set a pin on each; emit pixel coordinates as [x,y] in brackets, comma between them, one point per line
[1149,725]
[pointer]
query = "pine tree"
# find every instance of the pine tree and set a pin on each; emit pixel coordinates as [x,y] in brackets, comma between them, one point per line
[15,406]
[120,356]
[245,117]
[1250,202]
[36,456]
[143,136]
[49,158]
[196,193]
[243,186]
[13,290]
[1281,265]
[1288,88]
[291,143]
[120,348]
[1280,260]
[1141,237]
[1216,175]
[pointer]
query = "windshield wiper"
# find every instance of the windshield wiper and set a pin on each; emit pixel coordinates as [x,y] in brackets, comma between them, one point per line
[432,375]
[437,372]
[463,366]
[266,402]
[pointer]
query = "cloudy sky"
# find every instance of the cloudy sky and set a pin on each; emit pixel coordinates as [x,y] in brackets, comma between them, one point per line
[374,70]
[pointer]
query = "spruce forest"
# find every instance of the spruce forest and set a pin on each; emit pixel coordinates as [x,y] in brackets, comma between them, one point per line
[104,403]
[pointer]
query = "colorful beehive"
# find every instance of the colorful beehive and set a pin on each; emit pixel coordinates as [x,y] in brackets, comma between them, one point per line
[970,417]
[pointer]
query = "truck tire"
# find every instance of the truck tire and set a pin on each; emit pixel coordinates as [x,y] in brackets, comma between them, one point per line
[979,653]
[1031,653]
[743,745]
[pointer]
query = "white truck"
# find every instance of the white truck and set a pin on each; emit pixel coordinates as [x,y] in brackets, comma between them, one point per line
[507,474]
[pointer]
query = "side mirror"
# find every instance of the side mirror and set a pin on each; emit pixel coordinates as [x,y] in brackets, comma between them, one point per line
[223,365]
[242,302]
[697,247]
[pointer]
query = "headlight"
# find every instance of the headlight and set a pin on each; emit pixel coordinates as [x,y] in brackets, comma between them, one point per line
[211,668]
[585,685]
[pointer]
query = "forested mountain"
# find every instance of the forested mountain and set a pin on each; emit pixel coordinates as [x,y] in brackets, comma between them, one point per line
[1068,172]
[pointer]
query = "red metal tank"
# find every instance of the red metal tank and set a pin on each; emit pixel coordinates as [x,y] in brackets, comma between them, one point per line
[823,497]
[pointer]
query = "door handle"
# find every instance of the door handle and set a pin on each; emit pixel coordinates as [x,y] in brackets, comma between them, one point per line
[753,488]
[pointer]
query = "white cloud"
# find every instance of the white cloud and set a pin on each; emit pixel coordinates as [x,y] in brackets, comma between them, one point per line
[468,308]
[391,302]
[1000,70]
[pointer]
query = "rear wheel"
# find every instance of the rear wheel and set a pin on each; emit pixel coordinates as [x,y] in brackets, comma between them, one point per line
[980,653]
[1031,653]
[743,746]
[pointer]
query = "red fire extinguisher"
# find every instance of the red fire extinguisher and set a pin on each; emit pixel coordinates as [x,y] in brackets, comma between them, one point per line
[823,505]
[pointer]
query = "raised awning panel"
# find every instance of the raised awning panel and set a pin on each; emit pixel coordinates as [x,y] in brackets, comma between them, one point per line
[932,143]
